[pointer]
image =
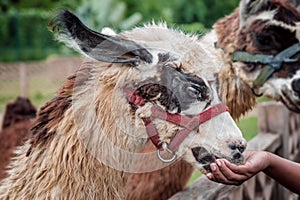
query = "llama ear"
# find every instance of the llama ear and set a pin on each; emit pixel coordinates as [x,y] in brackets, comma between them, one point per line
[107,48]
[251,7]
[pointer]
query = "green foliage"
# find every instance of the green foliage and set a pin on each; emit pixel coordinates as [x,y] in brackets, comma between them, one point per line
[196,28]
[25,36]
[204,11]
[182,11]
[108,13]
[156,10]
[5,5]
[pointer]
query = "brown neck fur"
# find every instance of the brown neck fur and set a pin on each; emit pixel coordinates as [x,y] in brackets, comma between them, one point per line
[235,93]
[233,90]
[53,111]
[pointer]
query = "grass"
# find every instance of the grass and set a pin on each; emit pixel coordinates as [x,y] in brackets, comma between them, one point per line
[264,99]
[249,128]
[40,91]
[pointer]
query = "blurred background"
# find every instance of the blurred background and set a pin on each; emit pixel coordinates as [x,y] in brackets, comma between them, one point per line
[24,34]
[33,64]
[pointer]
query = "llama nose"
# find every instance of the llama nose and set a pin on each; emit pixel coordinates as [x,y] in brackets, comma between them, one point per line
[296,85]
[238,145]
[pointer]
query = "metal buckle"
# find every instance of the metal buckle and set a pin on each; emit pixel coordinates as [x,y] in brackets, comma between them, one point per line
[165,148]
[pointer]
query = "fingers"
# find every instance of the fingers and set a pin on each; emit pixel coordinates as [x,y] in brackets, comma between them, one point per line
[239,169]
[216,174]
[221,173]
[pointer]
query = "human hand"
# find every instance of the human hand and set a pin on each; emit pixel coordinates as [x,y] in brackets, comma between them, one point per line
[227,173]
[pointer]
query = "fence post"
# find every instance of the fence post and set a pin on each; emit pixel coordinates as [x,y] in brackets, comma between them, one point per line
[23,80]
[274,118]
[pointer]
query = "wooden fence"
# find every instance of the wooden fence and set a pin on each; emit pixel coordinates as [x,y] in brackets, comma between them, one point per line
[279,132]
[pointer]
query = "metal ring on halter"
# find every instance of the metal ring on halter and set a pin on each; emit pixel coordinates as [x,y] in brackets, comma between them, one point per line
[165,147]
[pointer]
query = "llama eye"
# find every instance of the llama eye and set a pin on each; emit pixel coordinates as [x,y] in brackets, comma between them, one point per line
[264,40]
[249,67]
[193,92]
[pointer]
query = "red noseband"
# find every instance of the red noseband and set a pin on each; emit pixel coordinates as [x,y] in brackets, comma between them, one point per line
[188,123]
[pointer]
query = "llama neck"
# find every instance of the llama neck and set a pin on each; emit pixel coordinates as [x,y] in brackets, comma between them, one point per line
[106,126]
[235,93]
[231,88]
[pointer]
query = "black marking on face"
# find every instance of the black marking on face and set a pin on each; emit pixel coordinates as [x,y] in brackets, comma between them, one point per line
[203,157]
[286,99]
[153,92]
[165,57]
[176,90]
[296,86]
[272,39]
[287,13]
[187,89]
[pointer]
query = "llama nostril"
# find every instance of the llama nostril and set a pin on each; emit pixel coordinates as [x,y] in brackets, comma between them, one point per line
[241,149]
[239,145]
[237,156]
[296,85]
[232,146]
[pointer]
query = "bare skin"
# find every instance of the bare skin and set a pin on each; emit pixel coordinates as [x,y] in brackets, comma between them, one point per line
[281,170]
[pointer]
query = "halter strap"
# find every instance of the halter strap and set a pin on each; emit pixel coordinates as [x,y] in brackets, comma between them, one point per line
[273,63]
[188,123]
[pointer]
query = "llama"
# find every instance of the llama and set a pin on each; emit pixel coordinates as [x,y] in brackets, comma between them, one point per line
[15,129]
[262,38]
[236,32]
[142,84]
[19,110]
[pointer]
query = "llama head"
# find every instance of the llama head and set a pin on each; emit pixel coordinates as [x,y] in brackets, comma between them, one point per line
[266,37]
[155,67]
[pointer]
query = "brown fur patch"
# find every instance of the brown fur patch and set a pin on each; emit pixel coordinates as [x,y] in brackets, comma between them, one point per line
[235,93]
[232,90]
[227,29]
[287,13]
[49,116]
[265,39]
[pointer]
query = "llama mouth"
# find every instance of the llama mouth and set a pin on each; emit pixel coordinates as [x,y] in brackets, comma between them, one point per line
[203,157]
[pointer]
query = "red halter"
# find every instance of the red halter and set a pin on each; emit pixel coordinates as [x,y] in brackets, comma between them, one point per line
[189,123]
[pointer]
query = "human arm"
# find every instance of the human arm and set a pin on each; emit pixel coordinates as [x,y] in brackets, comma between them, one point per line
[282,170]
